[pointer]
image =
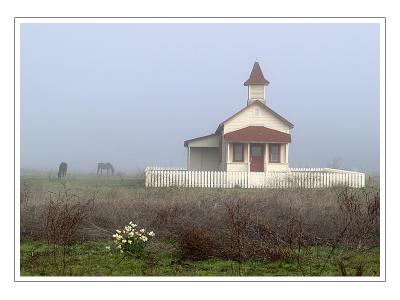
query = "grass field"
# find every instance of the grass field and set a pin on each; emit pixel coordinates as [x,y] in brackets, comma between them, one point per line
[162,259]
[199,232]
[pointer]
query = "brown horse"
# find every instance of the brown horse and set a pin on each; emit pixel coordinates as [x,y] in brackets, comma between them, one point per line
[105,166]
[62,170]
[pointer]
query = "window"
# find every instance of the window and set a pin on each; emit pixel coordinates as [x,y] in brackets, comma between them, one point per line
[274,153]
[238,152]
[256,150]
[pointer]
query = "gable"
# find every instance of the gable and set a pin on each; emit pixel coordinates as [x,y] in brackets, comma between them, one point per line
[257,115]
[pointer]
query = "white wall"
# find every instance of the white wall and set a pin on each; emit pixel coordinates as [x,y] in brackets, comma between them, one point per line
[245,152]
[237,167]
[272,167]
[282,166]
[257,92]
[208,141]
[255,116]
[204,159]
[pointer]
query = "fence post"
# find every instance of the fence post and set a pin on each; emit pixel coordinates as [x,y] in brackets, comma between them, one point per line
[295,177]
[224,180]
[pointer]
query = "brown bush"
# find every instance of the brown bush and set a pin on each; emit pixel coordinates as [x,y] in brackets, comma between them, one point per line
[197,244]
[263,224]
[64,216]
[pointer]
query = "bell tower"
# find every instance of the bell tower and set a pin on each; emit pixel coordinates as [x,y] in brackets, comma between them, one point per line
[256,85]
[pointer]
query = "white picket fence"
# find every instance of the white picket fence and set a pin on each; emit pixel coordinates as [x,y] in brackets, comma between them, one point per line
[294,178]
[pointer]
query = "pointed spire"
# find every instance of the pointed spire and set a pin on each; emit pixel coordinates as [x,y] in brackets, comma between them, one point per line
[256,76]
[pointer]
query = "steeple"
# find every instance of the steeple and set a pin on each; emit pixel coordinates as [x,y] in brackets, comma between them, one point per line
[256,85]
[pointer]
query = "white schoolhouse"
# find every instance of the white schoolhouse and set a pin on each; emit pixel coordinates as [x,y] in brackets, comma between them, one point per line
[255,139]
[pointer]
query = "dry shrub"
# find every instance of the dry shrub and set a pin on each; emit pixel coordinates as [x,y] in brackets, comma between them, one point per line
[197,244]
[64,216]
[251,237]
[25,194]
[359,217]
[31,221]
[262,224]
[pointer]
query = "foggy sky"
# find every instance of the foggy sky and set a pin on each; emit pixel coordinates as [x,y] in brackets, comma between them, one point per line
[131,94]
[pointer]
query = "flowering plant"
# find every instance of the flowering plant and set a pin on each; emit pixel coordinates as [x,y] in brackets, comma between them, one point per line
[130,240]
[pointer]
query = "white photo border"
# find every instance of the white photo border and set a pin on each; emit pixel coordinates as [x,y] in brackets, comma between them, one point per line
[185,20]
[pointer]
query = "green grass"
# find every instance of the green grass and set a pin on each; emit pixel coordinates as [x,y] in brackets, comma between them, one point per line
[50,181]
[162,259]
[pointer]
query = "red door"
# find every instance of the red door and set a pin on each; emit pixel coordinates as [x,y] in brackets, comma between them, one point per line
[256,158]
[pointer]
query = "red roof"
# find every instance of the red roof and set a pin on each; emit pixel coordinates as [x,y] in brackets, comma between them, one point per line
[258,134]
[256,76]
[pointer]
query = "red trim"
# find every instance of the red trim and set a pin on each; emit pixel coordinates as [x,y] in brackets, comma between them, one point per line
[270,153]
[234,151]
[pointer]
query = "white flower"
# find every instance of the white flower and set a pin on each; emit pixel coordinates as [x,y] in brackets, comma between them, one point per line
[143,238]
[128,228]
[133,225]
[119,231]
[131,234]
[151,233]
[122,251]
[117,236]
[142,230]
[124,241]
[130,242]
[108,248]
[119,246]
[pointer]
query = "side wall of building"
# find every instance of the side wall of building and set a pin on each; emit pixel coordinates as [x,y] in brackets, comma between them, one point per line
[204,159]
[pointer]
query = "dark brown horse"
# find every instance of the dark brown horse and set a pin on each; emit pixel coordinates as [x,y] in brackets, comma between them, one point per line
[105,166]
[62,170]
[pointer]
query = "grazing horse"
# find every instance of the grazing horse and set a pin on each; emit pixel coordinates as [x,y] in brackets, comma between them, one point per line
[62,170]
[105,166]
